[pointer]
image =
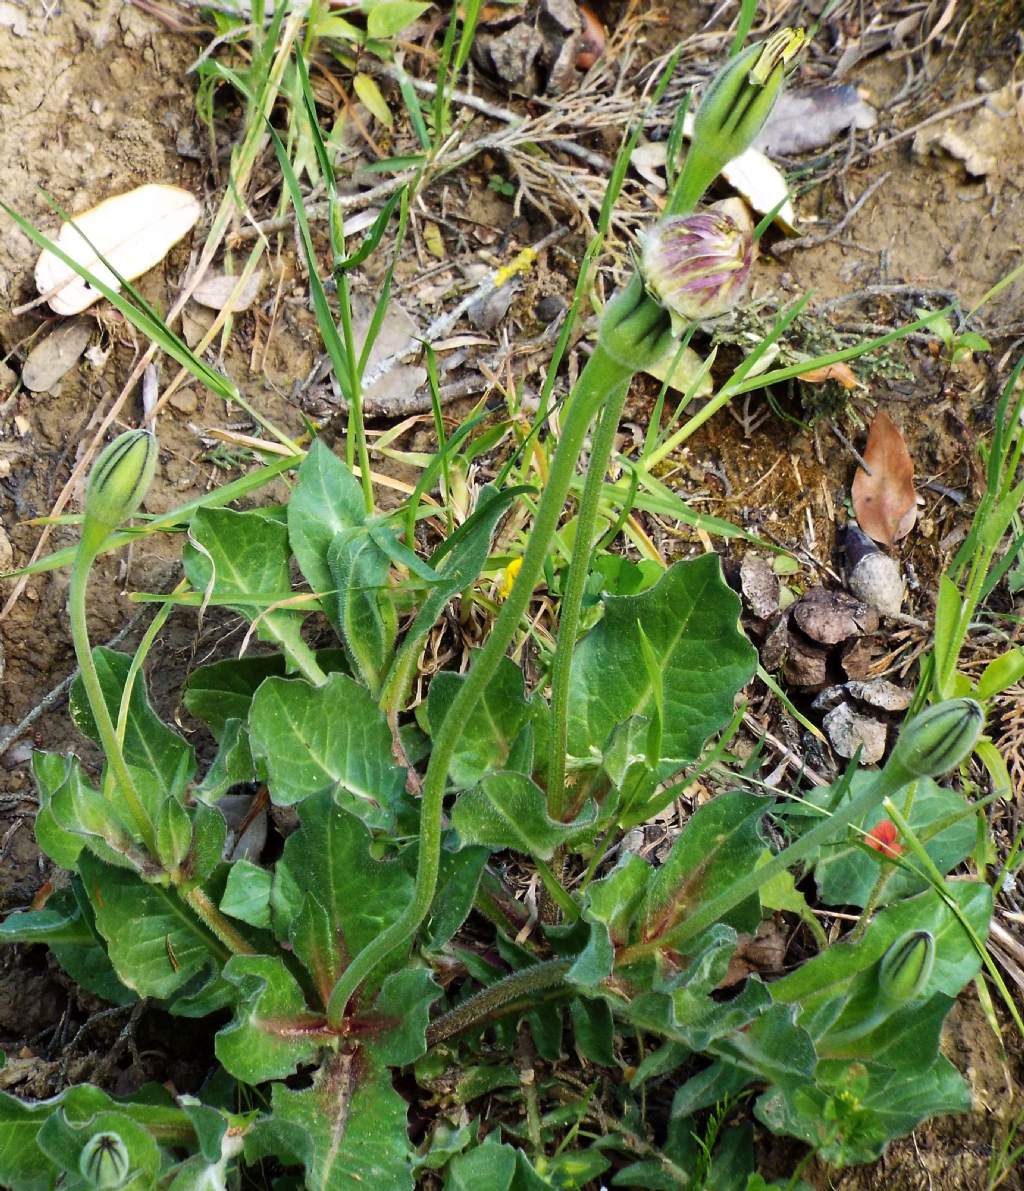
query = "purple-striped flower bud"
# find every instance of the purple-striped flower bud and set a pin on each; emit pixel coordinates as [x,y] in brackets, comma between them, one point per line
[698,265]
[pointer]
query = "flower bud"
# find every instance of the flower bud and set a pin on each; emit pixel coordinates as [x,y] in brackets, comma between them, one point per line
[905,968]
[104,1161]
[938,739]
[733,111]
[698,265]
[119,479]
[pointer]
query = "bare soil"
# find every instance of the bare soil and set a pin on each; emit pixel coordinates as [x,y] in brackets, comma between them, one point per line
[96,100]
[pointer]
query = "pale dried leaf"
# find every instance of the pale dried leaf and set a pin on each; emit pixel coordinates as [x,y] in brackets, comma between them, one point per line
[134,231]
[885,502]
[648,160]
[687,370]
[56,355]
[812,117]
[215,291]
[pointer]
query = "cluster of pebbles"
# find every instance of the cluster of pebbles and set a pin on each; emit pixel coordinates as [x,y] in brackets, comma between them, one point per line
[824,644]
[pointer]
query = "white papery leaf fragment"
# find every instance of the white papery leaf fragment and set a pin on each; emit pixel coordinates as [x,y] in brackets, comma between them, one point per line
[132,231]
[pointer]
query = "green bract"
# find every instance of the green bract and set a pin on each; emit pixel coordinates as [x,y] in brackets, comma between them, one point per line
[119,479]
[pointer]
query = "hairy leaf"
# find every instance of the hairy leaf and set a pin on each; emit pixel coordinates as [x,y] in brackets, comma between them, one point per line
[491,727]
[507,810]
[325,501]
[148,742]
[348,1129]
[241,560]
[154,943]
[332,736]
[365,610]
[689,619]
[329,858]
[853,1110]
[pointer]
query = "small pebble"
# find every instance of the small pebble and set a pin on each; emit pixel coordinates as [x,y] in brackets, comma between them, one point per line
[849,731]
[549,308]
[184,401]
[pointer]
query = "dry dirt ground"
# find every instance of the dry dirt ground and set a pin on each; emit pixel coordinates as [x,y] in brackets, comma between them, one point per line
[95,100]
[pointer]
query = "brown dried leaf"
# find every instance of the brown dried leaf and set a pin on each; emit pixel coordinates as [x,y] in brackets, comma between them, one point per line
[841,373]
[885,502]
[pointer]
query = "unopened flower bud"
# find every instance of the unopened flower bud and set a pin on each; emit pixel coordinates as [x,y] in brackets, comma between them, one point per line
[119,479]
[733,111]
[937,739]
[905,968]
[104,1161]
[698,265]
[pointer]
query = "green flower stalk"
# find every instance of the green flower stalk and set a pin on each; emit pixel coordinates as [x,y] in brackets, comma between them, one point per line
[117,484]
[732,112]
[635,332]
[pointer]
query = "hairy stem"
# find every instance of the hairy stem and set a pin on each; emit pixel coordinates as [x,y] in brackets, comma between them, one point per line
[491,1000]
[572,599]
[601,375]
[84,558]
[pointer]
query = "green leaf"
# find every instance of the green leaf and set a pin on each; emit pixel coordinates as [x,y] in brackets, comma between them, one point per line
[846,873]
[66,927]
[719,843]
[457,884]
[690,620]
[329,858]
[232,765]
[391,16]
[273,1031]
[830,974]
[348,1129]
[772,1047]
[365,610]
[370,94]
[781,893]
[492,725]
[612,906]
[154,943]
[23,1165]
[326,500]
[853,1110]
[331,736]
[455,564]
[489,1167]
[105,824]
[247,894]
[148,742]
[223,691]
[243,557]
[507,810]
[51,771]
[397,1024]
